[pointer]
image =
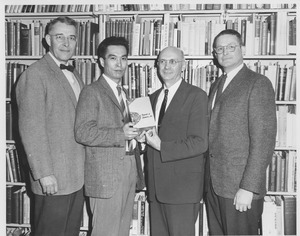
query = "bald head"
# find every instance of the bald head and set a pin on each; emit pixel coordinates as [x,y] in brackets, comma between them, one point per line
[172,50]
[170,65]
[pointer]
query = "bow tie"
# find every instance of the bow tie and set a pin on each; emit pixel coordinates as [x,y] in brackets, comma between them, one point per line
[68,67]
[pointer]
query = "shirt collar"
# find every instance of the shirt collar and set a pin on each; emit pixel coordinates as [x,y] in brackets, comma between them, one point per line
[233,73]
[174,87]
[111,83]
[55,60]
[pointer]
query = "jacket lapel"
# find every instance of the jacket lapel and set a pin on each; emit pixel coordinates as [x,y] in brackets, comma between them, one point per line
[107,89]
[232,86]
[177,101]
[154,100]
[59,75]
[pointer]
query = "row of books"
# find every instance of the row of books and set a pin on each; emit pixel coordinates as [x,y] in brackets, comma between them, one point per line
[266,35]
[13,70]
[282,77]
[88,70]
[263,35]
[141,78]
[140,224]
[286,122]
[17,205]
[19,231]
[279,216]
[27,39]
[13,170]
[136,7]
[281,173]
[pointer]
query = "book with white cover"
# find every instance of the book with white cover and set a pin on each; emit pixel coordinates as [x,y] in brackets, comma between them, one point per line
[141,113]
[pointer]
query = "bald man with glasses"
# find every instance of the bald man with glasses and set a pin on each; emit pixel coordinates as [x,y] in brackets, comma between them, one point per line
[175,151]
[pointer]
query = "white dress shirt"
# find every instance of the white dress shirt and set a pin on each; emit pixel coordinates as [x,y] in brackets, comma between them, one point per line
[172,91]
[230,76]
[70,77]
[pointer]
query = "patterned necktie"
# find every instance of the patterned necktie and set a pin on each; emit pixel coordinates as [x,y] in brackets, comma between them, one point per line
[163,108]
[129,144]
[68,67]
[122,104]
[221,86]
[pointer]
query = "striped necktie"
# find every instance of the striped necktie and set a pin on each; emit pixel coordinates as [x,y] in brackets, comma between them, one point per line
[129,143]
[122,104]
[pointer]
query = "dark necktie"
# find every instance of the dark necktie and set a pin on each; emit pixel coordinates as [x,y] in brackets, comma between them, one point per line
[68,67]
[220,86]
[163,108]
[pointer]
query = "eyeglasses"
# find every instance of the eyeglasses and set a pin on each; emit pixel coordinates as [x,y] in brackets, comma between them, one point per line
[229,48]
[61,38]
[171,62]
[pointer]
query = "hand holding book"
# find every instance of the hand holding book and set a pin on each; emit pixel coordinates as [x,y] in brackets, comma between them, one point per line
[141,113]
[153,139]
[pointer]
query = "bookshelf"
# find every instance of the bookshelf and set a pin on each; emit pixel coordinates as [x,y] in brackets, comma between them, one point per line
[270,49]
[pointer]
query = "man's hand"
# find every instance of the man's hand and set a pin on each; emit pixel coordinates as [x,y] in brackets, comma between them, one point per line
[49,185]
[153,139]
[129,131]
[141,137]
[243,200]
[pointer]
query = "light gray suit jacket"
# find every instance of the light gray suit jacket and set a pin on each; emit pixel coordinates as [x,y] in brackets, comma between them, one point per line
[99,126]
[46,106]
[242,134]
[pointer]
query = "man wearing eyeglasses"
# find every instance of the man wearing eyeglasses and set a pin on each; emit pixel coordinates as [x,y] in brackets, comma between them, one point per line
[242,133]
[175,153]
[47,97]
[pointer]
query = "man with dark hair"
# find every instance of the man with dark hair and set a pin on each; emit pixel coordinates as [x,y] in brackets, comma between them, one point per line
[103,126]
[47,97]
[242,133]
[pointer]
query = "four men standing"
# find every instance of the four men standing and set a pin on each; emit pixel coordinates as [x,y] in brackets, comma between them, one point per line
[237,124]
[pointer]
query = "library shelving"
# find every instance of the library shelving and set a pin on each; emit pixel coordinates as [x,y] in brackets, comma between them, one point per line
[269,37]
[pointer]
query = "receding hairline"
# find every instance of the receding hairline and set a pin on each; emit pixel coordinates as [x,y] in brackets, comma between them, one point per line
[174,49]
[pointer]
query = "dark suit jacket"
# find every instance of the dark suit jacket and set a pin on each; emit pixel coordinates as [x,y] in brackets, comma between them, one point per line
[242,134]
[98,125]
[46,105]
[176,173]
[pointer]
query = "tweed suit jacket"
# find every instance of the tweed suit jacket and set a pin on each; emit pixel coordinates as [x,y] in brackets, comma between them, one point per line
[242,134]
[46,106]
[176,173]
[99,126]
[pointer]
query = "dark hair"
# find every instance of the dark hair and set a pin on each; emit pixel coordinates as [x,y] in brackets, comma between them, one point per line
[63,19]
[113,40]
[230,32]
